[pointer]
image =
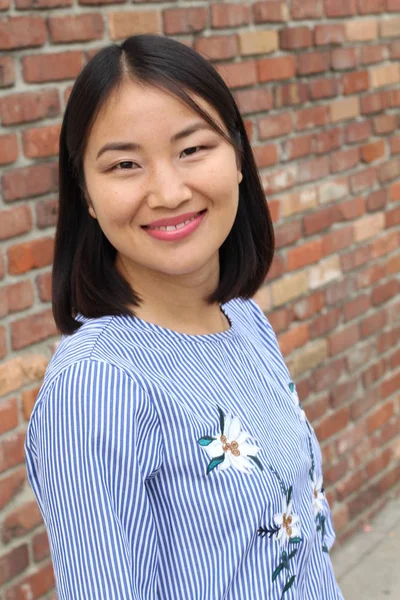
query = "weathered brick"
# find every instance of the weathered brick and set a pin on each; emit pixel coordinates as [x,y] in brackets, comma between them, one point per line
[363,181]
[29,106]
[265,156]
[40,582]
[373,151]
[238,75]
[298,202]
[321,220]
[8,149]
[124,24]
[333,423]
[383,293]
[289,288]
[356,82]
[10,486]
[329,34]
[390,27]
[29,181]
[298,147]
[287,234]
[56,66]
[340,8]
[306,9]
[41,142]
[30,255]
[296,337]
[22,32]
[343,339]
[345,160]
[8,415]
[383,124]
[40,546]
[272,11]
[273,69]
[38,4]
[228,15]
[311,355]
[327,270]
[21,521]
[46,213]
[355,308]
[380,416]
[258,42]
[313,169]
[308,118]
[293,38]
[323,88]
[345,109]
[76,28]
[13,563]
[373,324]
[32,329]
[217,47]
[7,71]
[374,54]
[254,100]
[15,221]
[313,62]
[366,7]
[358,132]
[362,30]
[375,102]
[385,75]
[276,126]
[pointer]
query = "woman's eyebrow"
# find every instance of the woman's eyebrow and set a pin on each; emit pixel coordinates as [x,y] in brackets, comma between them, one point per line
[133,146]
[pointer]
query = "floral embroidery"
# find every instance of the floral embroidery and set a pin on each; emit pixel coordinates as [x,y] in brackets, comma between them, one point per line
[286,532]
[318,496]
[228,448]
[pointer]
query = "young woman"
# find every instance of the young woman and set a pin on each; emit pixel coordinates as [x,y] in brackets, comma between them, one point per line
[167,449]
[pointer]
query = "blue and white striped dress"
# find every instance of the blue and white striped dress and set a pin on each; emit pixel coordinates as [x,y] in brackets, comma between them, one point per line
[171,466]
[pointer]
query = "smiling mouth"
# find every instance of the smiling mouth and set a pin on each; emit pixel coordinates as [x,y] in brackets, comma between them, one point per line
[175,227]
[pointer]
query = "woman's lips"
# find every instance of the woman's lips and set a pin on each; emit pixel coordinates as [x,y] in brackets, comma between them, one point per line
[172,233]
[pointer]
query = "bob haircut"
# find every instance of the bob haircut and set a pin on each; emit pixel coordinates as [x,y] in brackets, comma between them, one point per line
[85,280]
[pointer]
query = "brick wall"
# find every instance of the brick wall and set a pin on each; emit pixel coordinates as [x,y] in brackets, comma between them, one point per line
[318,84]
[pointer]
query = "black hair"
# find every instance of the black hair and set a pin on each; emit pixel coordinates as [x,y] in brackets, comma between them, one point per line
[85,279]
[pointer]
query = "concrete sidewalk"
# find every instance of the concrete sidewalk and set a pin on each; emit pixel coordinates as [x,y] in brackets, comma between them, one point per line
[368,566]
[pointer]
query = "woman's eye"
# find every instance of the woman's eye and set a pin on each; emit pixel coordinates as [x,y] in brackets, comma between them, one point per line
[192,150]
[124,165]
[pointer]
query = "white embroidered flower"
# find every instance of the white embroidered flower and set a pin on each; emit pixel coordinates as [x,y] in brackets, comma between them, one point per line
[296,400]
[232,445]
[317,495]
[288,523]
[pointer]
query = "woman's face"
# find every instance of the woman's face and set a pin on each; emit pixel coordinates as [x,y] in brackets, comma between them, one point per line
[149,157]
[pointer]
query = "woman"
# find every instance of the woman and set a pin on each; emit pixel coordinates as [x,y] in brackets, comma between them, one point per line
[167,448]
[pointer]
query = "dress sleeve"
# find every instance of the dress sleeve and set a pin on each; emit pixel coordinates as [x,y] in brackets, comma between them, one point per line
[91,444]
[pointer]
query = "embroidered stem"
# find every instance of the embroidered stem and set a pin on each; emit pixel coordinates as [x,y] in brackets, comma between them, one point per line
[283,488]
[312,459]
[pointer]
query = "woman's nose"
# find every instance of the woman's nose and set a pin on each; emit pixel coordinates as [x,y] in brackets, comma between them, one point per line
[167,188]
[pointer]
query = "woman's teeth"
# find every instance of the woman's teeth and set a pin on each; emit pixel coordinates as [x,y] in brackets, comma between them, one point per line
[174,227]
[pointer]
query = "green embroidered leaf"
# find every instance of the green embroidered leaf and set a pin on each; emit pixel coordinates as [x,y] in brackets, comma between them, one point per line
[293,553]
[277,571]
[289,494]
[257,461]
[221,420]
[291,386]
[288,585]
[295,540]
[206,440]
[325,548]
[215,462]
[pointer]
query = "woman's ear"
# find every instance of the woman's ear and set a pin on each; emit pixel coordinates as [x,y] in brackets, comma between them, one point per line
[240,176]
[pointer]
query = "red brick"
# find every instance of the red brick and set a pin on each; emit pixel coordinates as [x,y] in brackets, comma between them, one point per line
[373,324]
[374,372]
[306,307]
[353,83]
[41,142]
[376,201]
[293,38]
[325,141]
[395,360]
[333,424]
[15,297]
[76,28]
[8,149]
[12,450]
[395,50]
[29,106]
[373,151]
[366,7]
[7,71]
[227,15]
[393,5]
[323,377]
[379,463]
[305,254]
[271,11]
[13,563]
[39,583]
[395,191]
[287,233]
[22,32]
[3,342]
[238,74]
[21,521]
[276,126]
[10,486]
[369,275]
[352,483]
[357,132]
[329,34]
[8,415]
[344,58]
[46,213]
[389,170]
[345,160]
[374,54]
[30,255]
[395,144]
[254,100]
[28,401]
[55,66]
[32,329]
[273,69]
[281,179]
[280,319]
[96,2]
[340,8]
[296,337]
[313,62]
[265,156]
[40,546]
[393,98]
[383,124]
[29,181]
[306,9]
[384,292]
[324,323]
[385,244]
[355,258]
[375,102]
[15,221]
[316,116]
[123,24]
[323,88]
[380,417]
[392,217]
[356,307]
[320,220]
[298,147]
[335,472]
[291,94]
[343,339]
[337,240]
[32,4]
[277,268]
[363,181]
[217,47]
[313,169]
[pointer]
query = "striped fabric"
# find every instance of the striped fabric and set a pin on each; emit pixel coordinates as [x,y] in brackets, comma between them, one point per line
[179,467]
